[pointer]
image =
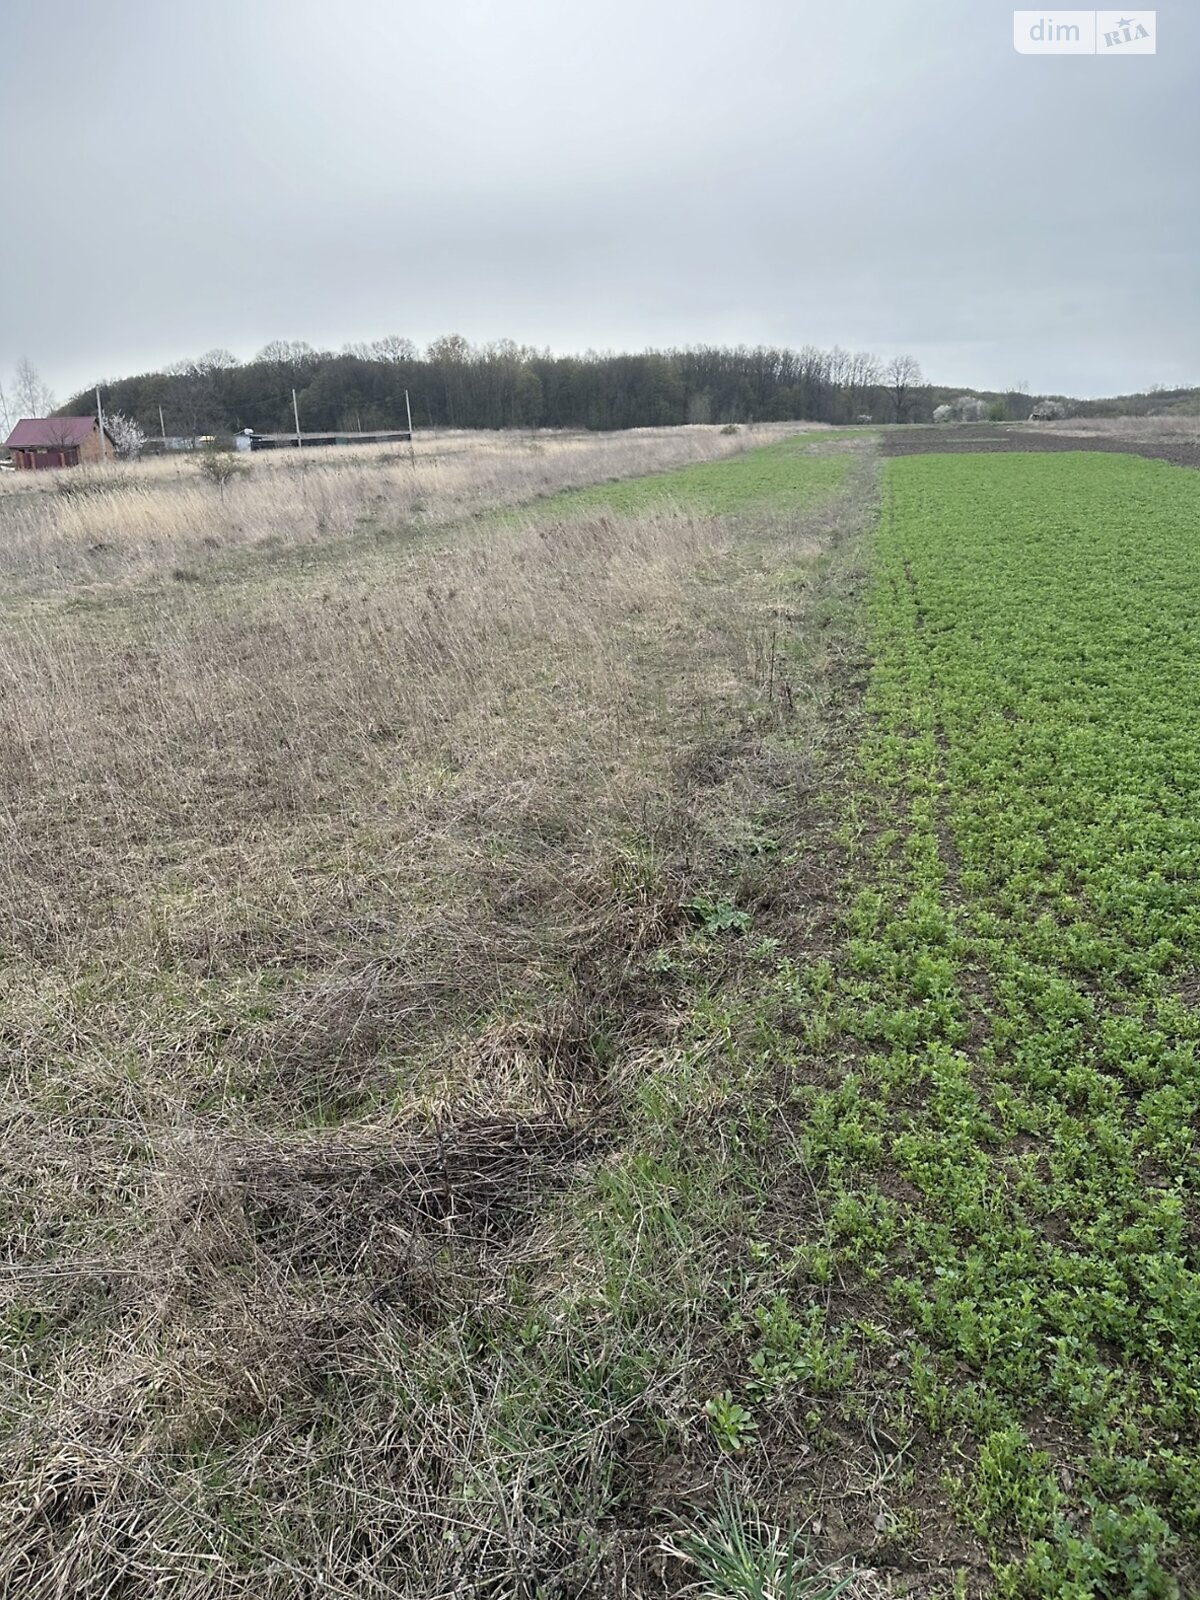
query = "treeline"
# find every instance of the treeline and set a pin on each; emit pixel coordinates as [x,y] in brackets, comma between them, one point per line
[504,385]
[1156,401]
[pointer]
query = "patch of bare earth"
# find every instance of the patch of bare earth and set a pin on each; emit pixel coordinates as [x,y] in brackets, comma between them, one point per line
[968,438]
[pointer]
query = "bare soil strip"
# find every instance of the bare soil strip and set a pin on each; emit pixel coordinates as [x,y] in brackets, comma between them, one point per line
[968,437]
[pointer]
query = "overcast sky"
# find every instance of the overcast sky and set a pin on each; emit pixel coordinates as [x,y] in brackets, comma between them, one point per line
[881,174]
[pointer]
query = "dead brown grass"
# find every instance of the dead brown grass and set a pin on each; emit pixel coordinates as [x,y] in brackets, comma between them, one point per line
[1185,429]
[327,908]
[95,526]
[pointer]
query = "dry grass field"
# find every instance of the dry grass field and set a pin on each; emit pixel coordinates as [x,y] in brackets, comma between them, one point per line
[374,1179]
[120,522]
[1178,427]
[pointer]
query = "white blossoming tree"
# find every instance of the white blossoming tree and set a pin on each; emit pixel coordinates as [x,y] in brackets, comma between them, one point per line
[969,409]
[125,434]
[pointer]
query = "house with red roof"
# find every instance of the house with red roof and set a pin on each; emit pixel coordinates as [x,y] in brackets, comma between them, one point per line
[58,442]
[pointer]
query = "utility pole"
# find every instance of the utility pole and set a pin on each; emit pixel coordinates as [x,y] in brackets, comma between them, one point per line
[100,420]
[162,428]
[296,414]
[412,449]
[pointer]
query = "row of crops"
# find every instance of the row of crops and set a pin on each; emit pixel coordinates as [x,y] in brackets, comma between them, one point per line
[1009,1153]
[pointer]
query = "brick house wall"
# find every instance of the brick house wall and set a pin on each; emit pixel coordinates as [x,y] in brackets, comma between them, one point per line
[90,449]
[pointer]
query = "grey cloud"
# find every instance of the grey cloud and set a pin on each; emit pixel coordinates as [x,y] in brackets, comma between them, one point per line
[879,173]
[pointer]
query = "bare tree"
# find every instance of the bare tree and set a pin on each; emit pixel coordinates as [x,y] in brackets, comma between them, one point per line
[450,355]
[295,354]
[190,398]
[393,348]
[216,361]
[901,376]
[862,379]
[451,347]
[31,396]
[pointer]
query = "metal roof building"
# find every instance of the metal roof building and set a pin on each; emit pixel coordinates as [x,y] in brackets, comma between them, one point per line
[58,442]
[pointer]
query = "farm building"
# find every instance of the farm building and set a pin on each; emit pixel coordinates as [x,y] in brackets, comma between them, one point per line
[247,439]
[58,442]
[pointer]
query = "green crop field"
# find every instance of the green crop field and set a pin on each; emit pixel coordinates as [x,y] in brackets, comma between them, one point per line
[1008,1149]
[769,478]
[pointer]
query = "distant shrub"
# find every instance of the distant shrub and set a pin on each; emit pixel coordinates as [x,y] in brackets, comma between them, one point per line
[731,427]
[997,411]
[221,467]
